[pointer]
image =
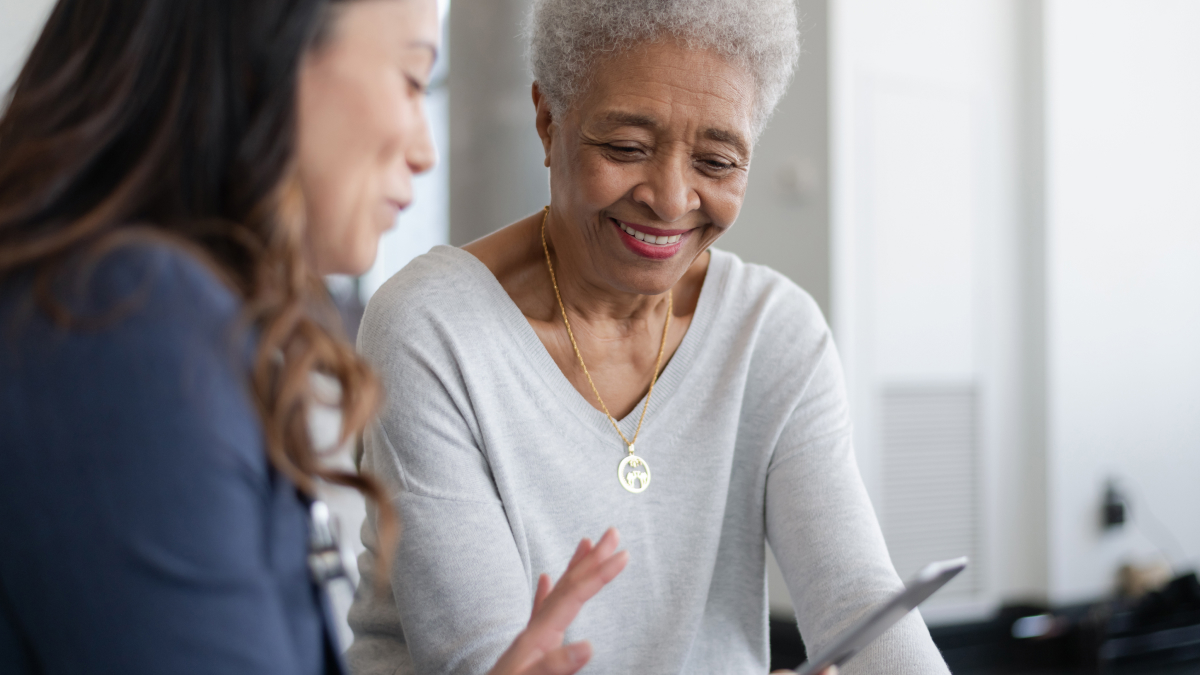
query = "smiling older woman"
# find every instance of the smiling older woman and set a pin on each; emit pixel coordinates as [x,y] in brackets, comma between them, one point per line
[538,374]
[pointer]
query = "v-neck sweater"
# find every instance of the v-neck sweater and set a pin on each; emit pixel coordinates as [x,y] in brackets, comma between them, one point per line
[498,466]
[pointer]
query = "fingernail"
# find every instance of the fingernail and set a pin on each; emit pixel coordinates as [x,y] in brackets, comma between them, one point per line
[579,652]
[833,670]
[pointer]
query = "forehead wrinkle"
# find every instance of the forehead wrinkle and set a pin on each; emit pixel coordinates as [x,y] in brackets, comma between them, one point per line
[730,87]
[676,91]
[643,97]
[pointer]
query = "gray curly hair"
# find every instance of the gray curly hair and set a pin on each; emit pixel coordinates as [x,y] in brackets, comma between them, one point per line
[566,38]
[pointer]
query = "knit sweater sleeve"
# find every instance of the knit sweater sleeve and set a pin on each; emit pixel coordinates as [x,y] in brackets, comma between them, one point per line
[459,591]
[820,522]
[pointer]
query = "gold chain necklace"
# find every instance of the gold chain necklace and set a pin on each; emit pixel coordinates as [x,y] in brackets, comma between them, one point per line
[633,472]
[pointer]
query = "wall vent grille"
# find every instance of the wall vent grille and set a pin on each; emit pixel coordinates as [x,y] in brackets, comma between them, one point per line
[930,508]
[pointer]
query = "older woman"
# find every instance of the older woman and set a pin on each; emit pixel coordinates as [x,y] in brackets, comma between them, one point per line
[600,363]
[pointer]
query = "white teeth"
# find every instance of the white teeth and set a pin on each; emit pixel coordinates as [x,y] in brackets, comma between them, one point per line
[649,238]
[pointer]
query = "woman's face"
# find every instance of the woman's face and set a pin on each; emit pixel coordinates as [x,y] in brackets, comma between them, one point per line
[650,167]
[361,130]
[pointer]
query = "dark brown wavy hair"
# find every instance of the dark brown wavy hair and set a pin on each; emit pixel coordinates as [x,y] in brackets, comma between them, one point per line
[177,119]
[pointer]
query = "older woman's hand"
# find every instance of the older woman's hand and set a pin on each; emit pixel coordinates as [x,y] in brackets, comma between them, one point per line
[539,650]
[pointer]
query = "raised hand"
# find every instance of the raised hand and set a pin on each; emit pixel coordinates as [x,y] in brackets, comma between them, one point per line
[539,649]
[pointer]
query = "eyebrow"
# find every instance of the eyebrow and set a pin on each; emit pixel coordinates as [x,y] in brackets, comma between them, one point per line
[627,119]
[734,139]
[427,45]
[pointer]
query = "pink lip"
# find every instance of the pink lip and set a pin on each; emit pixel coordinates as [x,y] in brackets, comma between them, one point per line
[652,251]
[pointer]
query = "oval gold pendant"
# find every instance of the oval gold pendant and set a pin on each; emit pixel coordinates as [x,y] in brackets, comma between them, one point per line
[634,474]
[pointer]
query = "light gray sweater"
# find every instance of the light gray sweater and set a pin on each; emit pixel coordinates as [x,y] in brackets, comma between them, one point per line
[498,467]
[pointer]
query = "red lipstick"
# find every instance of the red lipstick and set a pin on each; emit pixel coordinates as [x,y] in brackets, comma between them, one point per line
[643,240]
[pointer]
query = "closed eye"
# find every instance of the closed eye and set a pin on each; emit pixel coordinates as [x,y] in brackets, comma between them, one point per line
[715,167]
[623,149]
[417,86]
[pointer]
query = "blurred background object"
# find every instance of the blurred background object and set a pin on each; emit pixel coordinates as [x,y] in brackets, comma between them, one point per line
[994,202]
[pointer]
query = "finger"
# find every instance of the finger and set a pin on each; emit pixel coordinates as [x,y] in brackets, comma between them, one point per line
[608,543]
[579,574]
[584,559]
[591,572]
[572,591]
[562,661]
[581,564]
[585,547]
[543,589]
[548,625]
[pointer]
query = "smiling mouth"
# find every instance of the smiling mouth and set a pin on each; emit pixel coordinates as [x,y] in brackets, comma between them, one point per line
[648,238]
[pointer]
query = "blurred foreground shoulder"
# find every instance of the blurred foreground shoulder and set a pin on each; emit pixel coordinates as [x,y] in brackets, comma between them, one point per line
[442,287]
[147,531]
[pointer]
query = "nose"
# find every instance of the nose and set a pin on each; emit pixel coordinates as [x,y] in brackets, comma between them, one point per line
[421,153]
[668,190]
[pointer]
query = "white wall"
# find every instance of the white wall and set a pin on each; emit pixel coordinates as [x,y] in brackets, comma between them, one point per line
[20,22]
[926,225]
[1014,209]
[1123,261]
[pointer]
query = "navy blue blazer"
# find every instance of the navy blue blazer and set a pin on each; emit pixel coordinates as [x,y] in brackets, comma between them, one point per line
[142,529]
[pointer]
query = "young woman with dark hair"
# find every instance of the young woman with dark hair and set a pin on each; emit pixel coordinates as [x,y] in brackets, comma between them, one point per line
[175,176]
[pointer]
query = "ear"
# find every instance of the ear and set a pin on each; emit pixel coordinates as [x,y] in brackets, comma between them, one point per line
[545,120]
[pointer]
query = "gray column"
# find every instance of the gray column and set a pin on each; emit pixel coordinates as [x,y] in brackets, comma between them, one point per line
[784,222]
[496,171]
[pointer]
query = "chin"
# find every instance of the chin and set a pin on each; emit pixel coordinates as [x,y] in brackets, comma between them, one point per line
[362,264]
[645,282]
[350,263]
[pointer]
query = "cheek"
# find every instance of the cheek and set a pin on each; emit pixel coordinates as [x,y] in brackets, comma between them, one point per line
[724,200]
[348,145]
[328,148]
[600,183]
